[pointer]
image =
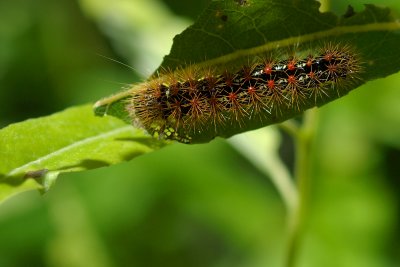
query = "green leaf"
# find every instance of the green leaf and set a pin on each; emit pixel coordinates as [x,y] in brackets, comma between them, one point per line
[35,151]
[230,32]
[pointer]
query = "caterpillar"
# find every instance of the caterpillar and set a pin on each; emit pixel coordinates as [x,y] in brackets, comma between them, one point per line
[195,104]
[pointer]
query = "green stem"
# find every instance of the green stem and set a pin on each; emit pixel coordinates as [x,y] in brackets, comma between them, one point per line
[290,127]
[296,219]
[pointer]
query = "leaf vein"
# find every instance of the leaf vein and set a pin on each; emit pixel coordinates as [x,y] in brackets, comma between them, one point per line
[70,147]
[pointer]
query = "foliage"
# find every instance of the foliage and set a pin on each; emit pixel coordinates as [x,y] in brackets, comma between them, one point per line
[207,209]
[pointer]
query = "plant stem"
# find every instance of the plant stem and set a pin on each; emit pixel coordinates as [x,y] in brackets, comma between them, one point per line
[296,219]
[261,148]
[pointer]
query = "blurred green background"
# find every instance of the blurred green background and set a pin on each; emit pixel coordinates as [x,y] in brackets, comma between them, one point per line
[199,205]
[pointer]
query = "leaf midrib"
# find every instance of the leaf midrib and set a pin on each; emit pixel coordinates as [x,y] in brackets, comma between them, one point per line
[339,30]
[69,147]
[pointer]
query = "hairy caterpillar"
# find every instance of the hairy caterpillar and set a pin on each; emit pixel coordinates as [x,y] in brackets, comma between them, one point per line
[196,104]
